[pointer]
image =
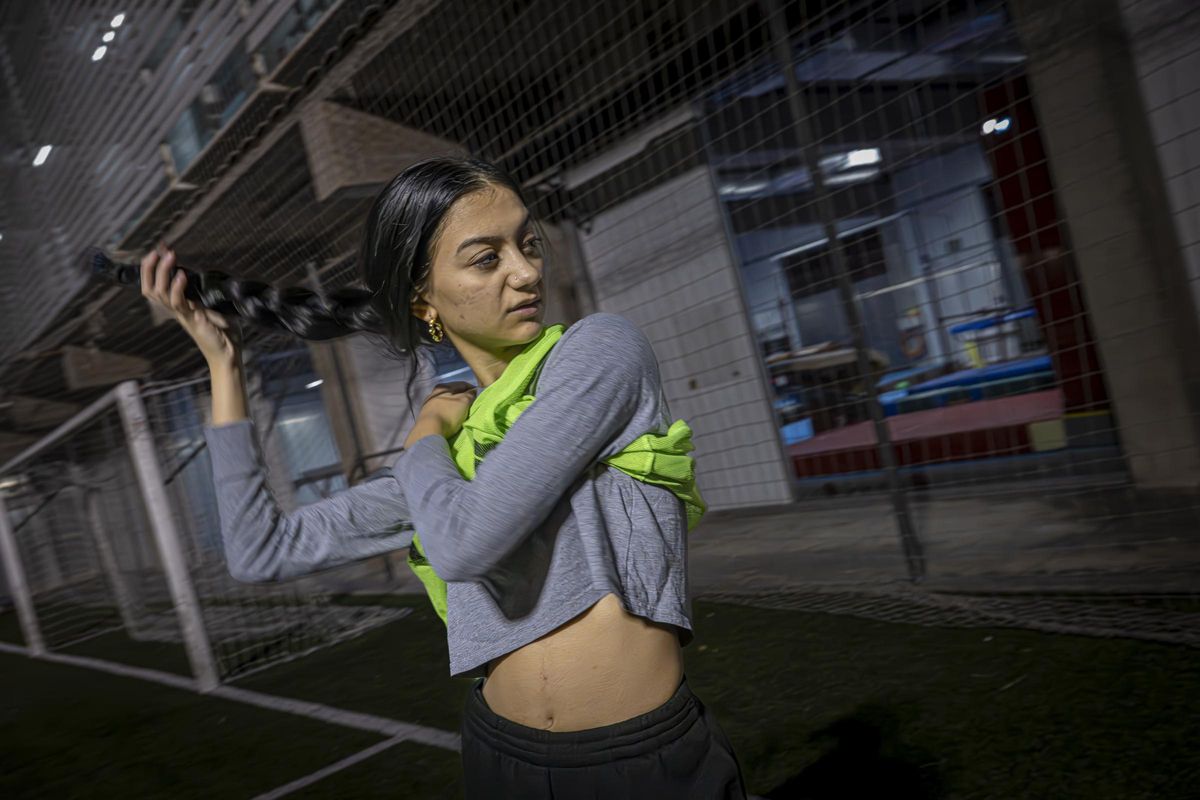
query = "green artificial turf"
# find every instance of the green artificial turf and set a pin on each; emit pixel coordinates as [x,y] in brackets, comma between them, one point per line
[826,706]
[71,732]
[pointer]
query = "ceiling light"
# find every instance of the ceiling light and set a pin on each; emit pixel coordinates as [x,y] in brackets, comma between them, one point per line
[863,158]
[108,37]
[99,54]
[117,20]
[41,156]
[314,384]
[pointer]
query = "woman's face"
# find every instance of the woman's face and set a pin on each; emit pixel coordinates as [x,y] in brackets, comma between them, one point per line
[486,261]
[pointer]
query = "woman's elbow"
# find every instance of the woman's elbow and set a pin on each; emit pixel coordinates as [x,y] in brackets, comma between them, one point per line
[247,573]
[252,551]
[244,568]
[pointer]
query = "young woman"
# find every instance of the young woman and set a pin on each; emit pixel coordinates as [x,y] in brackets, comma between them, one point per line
[567,580]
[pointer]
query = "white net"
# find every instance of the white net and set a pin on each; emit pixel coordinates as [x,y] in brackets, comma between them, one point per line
[94,567]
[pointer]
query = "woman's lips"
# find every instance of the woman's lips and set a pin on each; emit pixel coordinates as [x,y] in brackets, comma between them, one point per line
[529,310]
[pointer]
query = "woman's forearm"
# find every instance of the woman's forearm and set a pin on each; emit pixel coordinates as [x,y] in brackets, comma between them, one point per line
[228,392]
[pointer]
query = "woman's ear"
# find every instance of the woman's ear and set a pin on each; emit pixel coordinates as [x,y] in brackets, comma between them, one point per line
[420,310]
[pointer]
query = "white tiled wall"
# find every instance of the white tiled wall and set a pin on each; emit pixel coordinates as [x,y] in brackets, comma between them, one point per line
[662,261]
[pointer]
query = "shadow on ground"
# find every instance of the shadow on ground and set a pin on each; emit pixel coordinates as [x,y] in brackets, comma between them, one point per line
[866,756]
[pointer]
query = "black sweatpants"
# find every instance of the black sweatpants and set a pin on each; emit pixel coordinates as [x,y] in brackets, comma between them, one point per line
[674,751]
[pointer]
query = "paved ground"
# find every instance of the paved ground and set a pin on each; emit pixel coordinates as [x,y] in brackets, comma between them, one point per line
[1019,537]
[1007,539]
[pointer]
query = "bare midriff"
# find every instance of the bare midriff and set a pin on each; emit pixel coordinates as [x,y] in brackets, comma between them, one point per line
[604,666]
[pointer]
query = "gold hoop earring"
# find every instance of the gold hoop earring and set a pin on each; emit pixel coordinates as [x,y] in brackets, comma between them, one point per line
[435,330]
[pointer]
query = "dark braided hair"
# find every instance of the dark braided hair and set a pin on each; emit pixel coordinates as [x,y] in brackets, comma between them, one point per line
[394,260]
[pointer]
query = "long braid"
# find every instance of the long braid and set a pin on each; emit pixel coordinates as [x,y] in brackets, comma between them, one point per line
[393,259]
[295,309]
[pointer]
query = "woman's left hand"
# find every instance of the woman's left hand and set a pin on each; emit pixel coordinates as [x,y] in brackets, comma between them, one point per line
[448,404]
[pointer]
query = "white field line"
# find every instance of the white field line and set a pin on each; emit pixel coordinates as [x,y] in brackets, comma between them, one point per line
[401,731]
[337,766]
[407,731]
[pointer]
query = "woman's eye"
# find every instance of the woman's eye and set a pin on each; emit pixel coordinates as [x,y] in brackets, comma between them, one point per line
[534,242]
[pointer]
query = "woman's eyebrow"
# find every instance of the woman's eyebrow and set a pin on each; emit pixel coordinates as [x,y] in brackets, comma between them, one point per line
[490,239]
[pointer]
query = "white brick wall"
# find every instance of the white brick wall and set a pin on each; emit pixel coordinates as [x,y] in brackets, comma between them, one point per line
[662,261]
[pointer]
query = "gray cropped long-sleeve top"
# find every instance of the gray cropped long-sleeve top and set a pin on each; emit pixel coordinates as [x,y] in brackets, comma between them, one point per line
[541,534]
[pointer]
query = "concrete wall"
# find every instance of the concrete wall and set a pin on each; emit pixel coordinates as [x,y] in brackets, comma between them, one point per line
[1109,184]
[1165,40]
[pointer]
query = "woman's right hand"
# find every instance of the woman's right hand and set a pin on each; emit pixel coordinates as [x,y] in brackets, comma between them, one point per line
[448,405]
[210,330]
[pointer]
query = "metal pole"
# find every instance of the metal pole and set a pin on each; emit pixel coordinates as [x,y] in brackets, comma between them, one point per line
[14,573]
[92,517]
[162,523]
[911,546]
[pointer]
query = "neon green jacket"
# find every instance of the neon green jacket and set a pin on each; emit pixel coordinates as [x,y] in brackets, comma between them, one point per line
[659,459]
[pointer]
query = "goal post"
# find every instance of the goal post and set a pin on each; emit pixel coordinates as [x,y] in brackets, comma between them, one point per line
[111,544]
[162,523]
[18,585]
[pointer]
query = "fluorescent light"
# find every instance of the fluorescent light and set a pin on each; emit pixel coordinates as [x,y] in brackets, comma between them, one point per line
[108,37]
[744,188]
[298,420]
[802,248]
[99,54]
[851,177]
[117,20]
[452,373]
[914,281]
[995,125]
[314,384]
[863,158]
[41,156]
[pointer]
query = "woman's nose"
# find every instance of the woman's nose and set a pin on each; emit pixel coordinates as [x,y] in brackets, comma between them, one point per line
[527,272]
